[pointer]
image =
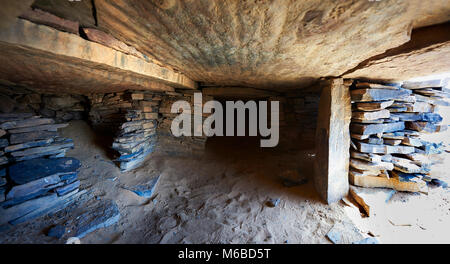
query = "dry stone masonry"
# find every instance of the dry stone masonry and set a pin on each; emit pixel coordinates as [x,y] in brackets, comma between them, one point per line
[141,121]
[387,122]
[36,177]
[181,145]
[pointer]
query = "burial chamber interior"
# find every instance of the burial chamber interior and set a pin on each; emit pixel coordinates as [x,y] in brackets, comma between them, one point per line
[86,120]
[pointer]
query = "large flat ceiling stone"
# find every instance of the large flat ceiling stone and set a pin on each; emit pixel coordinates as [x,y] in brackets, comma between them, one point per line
[44,58]
[428,53]
[267,44]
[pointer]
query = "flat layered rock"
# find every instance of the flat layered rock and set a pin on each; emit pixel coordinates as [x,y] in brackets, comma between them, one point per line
[394,135]
[32,122]
[51,206]
[373,106]
[421,84]
[371,200]
[5,117]
[392,142]
[383,149]
[372,129]
[406,166]
[422,159]
[31,170]
[432,100]
[426,127]
[3,142]
[420,107]
[360,173]
[370,166]
[63,190]
[398,184]
[145,190]
[397,109]
[428,117]
[136,161]
[407,99]
[374,115]
[414,142]
[432,92]
[104,214]
[51,128]
[375,86]
[368,95]
[41,150]
[32,144]
[30,190]
[373,140]
[12,213]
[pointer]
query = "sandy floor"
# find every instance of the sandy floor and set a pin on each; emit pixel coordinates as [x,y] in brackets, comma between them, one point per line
[221,197]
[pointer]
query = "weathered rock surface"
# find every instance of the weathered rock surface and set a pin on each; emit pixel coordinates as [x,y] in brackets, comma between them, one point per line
[427,53]
[333,142]
[237,43]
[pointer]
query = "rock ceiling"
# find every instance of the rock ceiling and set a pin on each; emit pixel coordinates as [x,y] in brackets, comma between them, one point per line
[263,44]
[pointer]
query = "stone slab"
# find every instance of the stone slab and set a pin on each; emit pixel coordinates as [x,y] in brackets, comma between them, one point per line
[31,170]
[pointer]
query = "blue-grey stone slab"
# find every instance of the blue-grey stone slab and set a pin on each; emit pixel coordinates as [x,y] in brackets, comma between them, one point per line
[63,190]
[32,122]
[54,205]
[30,190]
[32,136]
[3,181]
[27,171]
[32,144]
[105,214]
[58,147]
[2,194]
[145,190]
[20,210]
[3,142]
[14,116]
[69,177]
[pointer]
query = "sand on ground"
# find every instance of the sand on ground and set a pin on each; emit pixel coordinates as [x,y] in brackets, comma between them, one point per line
[221,196]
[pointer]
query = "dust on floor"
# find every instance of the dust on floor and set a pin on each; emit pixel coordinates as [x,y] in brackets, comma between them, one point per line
[218,197]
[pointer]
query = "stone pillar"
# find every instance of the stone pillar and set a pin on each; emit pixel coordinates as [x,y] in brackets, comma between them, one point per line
[333,141]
